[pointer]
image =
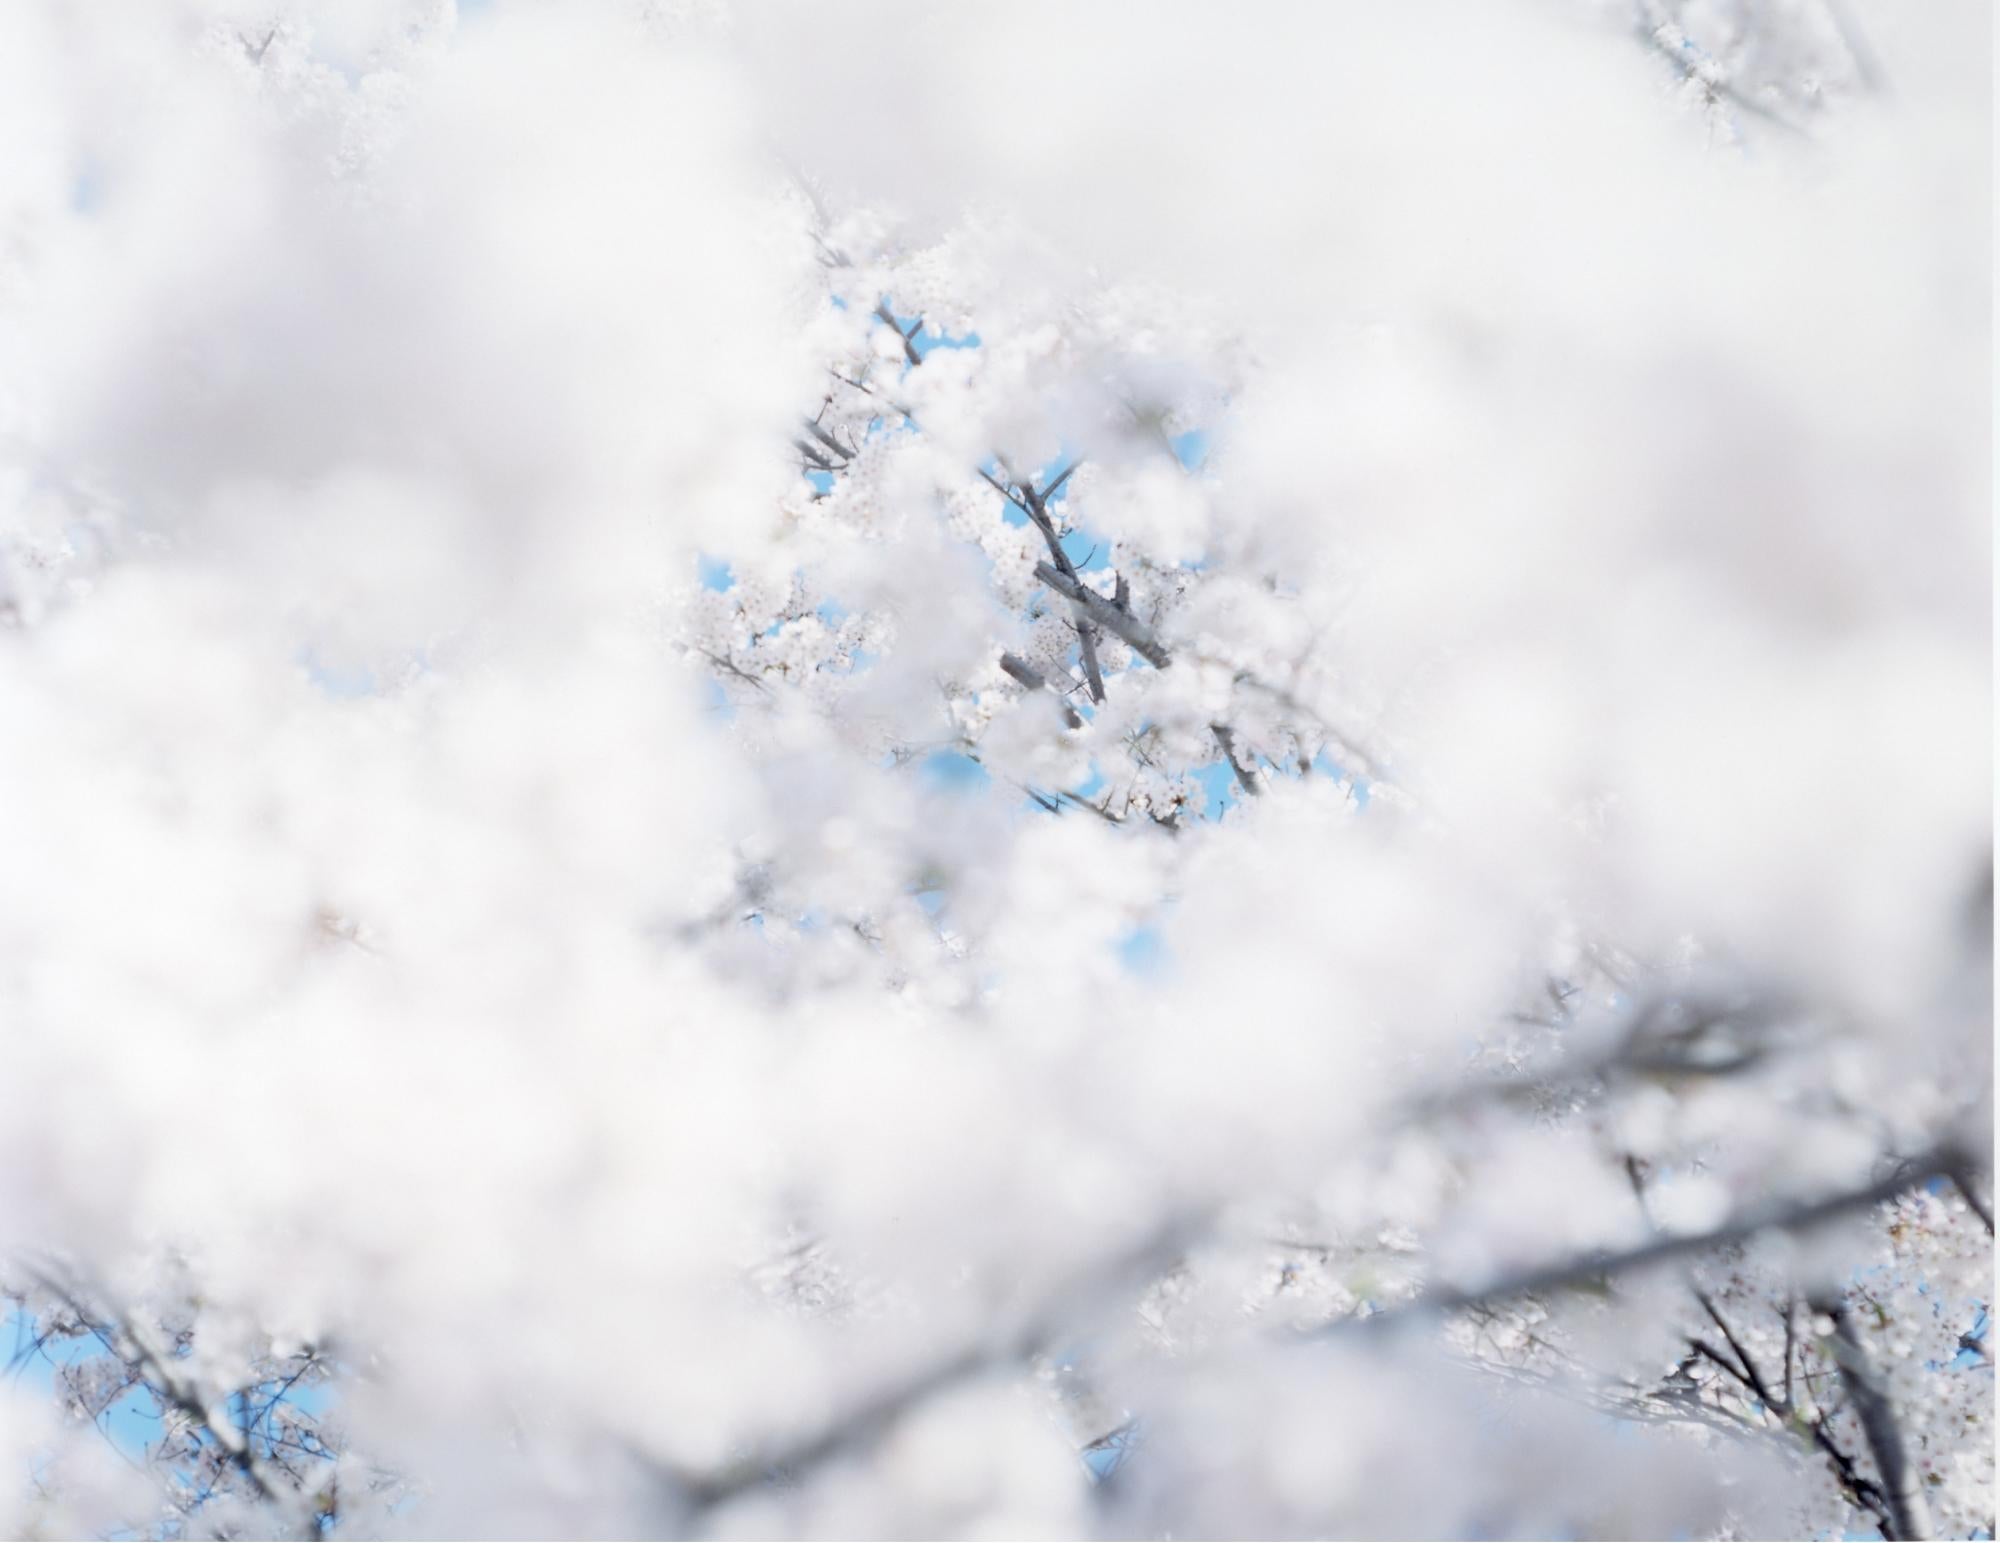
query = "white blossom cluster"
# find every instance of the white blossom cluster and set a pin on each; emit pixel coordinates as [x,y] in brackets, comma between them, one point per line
[1003,769]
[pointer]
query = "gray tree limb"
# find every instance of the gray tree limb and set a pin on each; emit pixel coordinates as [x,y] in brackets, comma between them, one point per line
[125,1341]
[865,1421]
[1035,506]
[909,349]
[1602,1264]
[1909,1512]
[1093,607]
[1226,738]
[1027,675]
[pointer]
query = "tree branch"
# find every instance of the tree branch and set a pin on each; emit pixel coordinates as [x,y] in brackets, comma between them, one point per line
[1227,740]
[1865,1495]
[818,459]
[1909,1513]
[1049,492]
[1710,80]
[1095,608]
[1036,505]
[864,1422]
[1020,670]
[1601,1264]
[829,441]
[909,349]
[1963,1181]
[132,1347]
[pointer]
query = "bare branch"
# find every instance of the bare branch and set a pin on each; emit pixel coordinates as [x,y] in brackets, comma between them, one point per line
[1660,41]
[867,390]
[1963,1181]
[1227,740]
[1099,810]
[1604,1264]
[1909,1513]
[1024,672]
[909,349]
[125,1341]
[862,1423]
[1867,67]
[828,440]
[1037,506]
[1004,490]
[1095,608]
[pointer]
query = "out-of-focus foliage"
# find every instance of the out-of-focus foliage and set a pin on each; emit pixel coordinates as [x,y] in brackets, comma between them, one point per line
[1066,769]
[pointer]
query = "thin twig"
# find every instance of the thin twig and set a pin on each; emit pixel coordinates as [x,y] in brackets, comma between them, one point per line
[169,1388]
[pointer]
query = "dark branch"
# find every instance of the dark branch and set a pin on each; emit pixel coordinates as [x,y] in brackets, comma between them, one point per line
[829,441]
[1095,608]
[862,1423]
[1909,1514]
[1005,491]
[1019,669]
[909,349]
[1227,740]
[1037,506]
[125,1342]
[1604,1264]
[1713,86]
[1963,1181]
